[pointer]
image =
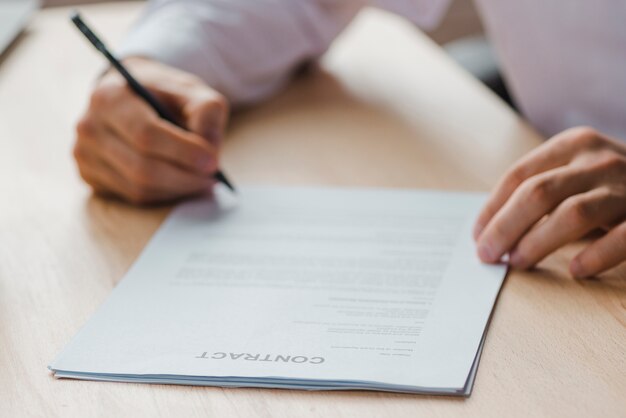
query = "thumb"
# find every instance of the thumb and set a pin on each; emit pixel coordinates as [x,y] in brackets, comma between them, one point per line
[198,109]
[206,115]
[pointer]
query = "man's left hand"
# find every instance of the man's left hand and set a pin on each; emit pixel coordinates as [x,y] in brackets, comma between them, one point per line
[568,187]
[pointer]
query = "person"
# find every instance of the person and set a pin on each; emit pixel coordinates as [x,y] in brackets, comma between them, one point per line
[564,62]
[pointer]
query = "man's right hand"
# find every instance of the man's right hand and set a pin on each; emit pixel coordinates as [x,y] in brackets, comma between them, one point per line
[124,149]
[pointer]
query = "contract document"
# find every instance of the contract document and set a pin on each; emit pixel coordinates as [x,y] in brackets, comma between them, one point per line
[300,288]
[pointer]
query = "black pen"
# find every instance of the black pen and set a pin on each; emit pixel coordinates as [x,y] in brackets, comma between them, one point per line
[140,90]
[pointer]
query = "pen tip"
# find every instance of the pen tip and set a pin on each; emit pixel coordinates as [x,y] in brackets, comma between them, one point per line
[219,176]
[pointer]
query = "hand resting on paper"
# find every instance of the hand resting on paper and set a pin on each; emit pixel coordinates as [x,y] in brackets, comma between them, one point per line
[124,149]
[568,187]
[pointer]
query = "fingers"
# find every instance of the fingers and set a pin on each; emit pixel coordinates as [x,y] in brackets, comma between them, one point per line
[607,252]
[206,114]
[565,189]
[527,205]
[137,124]
[123,147]
[150,173]
[573,219]
[203,110]
[110,164]
[104,180]
[556,152]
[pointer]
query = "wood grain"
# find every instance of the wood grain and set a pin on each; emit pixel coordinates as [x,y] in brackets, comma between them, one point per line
[384,108]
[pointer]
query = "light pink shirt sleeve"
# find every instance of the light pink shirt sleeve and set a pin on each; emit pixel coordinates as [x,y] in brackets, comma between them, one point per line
[247,49]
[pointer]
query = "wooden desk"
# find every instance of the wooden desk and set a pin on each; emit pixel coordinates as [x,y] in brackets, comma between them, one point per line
[388,109]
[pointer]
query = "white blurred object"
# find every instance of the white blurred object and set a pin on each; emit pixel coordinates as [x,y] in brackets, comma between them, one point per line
[14,15]
[55,3]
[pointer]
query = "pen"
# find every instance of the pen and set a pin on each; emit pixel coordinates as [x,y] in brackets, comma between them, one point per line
[140,90]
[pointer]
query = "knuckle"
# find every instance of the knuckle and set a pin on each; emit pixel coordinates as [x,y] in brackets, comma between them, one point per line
[84,174]
[538,190]
[85,128]
[79,153]
[580,212]
[87,175]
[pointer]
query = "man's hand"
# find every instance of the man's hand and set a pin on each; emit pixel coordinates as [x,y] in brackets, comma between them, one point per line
[124,149]
[571,185]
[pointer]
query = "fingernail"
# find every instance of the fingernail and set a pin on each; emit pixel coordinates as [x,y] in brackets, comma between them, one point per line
[486,253]
[577,269]
[516,260]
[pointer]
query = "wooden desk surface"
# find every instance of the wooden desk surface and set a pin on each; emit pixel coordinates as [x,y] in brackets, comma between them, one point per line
[388,109]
